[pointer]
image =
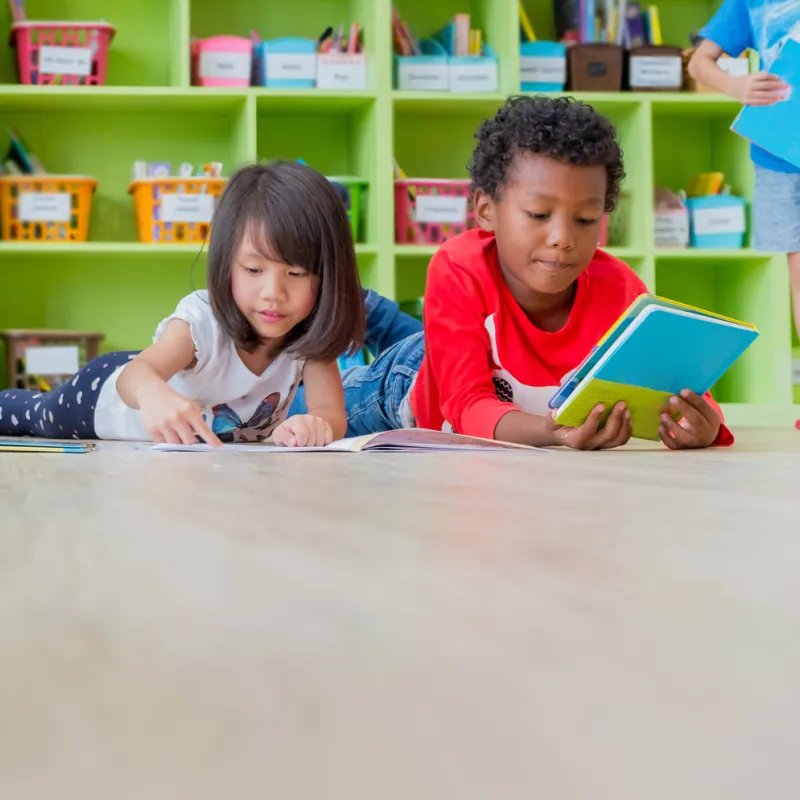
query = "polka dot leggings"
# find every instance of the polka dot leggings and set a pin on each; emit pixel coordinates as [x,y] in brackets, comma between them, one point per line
[64,413]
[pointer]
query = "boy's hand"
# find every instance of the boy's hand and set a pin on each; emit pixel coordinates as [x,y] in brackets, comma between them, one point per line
[760,89]
[303,430]
[699,426]
[616,432]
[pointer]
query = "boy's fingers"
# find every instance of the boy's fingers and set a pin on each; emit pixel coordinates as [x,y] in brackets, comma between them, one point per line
[667,439]
[683,437]
[611,430]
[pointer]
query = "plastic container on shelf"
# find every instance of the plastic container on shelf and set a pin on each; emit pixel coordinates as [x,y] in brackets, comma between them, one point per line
[287,63]
[222,61]
[717,221]
[356,188]
[62,53]
[175,210]
[45,208]
[542,66]
[430,211]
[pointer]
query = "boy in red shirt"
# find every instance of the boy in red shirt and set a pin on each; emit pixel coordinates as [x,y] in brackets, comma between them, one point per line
[515,305]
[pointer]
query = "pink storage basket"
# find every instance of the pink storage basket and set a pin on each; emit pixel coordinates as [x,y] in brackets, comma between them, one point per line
[222,61]
[431,211]
[66,53]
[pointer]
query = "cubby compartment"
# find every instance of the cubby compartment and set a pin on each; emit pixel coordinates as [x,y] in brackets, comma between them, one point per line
[143,51]
[747,288]
[336,139]
[102,137]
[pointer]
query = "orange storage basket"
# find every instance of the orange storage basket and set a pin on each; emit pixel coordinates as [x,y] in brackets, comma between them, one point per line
[175,210]
[45,208]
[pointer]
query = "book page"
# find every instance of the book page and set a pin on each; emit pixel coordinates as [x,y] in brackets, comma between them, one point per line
[423,438]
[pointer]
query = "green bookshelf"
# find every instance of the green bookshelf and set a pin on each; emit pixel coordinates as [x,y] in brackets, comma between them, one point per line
[149,111]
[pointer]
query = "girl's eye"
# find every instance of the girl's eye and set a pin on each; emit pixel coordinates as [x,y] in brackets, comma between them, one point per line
[536,216]
[252,270]
[298,274]
[584,221]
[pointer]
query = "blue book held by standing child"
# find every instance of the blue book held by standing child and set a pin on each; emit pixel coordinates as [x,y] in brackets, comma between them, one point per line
[774,127]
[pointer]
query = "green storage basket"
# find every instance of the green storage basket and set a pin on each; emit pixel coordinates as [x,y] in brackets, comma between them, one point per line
[357,188]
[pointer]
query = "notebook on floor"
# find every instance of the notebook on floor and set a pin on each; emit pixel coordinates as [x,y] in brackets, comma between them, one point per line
[655,350]
[44,446]
[405,440]
[774,127]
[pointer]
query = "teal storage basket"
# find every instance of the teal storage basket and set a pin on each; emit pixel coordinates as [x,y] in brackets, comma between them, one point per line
[717,222]
[542,66]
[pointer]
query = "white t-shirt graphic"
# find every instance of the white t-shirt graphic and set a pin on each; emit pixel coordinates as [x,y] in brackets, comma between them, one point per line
[237,405]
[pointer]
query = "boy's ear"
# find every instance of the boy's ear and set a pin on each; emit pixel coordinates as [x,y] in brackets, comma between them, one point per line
[484,208]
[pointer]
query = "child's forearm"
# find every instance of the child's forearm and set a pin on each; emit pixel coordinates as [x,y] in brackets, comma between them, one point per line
[135,380]
[530,429]
[703,68]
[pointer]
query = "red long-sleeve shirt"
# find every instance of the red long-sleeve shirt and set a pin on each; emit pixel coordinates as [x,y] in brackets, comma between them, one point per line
[484,357]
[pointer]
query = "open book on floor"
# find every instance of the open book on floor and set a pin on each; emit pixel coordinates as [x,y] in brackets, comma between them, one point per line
[656,349]
[407,439]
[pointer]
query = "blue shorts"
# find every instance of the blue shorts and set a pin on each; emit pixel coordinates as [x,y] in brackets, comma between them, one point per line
[776,211]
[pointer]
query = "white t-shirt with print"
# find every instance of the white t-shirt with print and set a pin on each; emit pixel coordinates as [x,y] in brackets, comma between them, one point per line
[238,405]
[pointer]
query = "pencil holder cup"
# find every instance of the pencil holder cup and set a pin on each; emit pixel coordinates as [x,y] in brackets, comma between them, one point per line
[429,72]
[288,63]
[342,71]
[175,210]
[222,61]
[542,66]
[62,53]
[45,208]
[431,211]
[595,67]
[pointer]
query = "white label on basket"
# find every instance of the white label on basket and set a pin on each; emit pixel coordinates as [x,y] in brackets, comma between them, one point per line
[478,77]
[225,65]
[712,221]
[440,208]
[342,71]
[543,69]
[187,207]
[291,66]
[51,359]
[65,60]
[44,207]
[656,72]
[422,77]
[671,228]
[738,67]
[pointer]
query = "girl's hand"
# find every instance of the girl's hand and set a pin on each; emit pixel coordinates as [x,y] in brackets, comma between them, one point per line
[699,426]
[169,417]
[303,430]
[616,432]
[760,89]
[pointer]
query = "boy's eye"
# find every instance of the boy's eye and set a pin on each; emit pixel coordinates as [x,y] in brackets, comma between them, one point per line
[587,221]
[532,215]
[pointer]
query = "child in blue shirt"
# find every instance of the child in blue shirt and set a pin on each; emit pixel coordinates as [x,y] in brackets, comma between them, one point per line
[764,26]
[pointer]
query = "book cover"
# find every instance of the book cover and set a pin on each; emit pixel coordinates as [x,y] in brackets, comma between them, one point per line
[767,126]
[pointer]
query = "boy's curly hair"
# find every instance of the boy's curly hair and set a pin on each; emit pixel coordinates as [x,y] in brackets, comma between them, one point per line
[562,128]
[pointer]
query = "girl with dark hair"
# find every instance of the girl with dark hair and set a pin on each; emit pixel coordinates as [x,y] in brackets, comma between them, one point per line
[283,302]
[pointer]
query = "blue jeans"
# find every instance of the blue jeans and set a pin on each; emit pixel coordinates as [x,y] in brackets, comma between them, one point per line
[374,394]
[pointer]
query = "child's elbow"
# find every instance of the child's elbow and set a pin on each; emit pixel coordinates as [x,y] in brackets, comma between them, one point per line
[692,68]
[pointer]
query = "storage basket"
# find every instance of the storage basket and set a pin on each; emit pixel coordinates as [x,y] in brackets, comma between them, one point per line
[431,211]
[175,210]
[66,53]
[45,208]
[222,61]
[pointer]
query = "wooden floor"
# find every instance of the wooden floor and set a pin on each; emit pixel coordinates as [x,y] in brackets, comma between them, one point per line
[564,625]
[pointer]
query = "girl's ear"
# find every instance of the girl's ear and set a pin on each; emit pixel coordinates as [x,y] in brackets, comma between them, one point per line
[485,209]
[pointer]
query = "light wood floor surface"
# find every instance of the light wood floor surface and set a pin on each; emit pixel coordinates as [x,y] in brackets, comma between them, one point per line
[565,625]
